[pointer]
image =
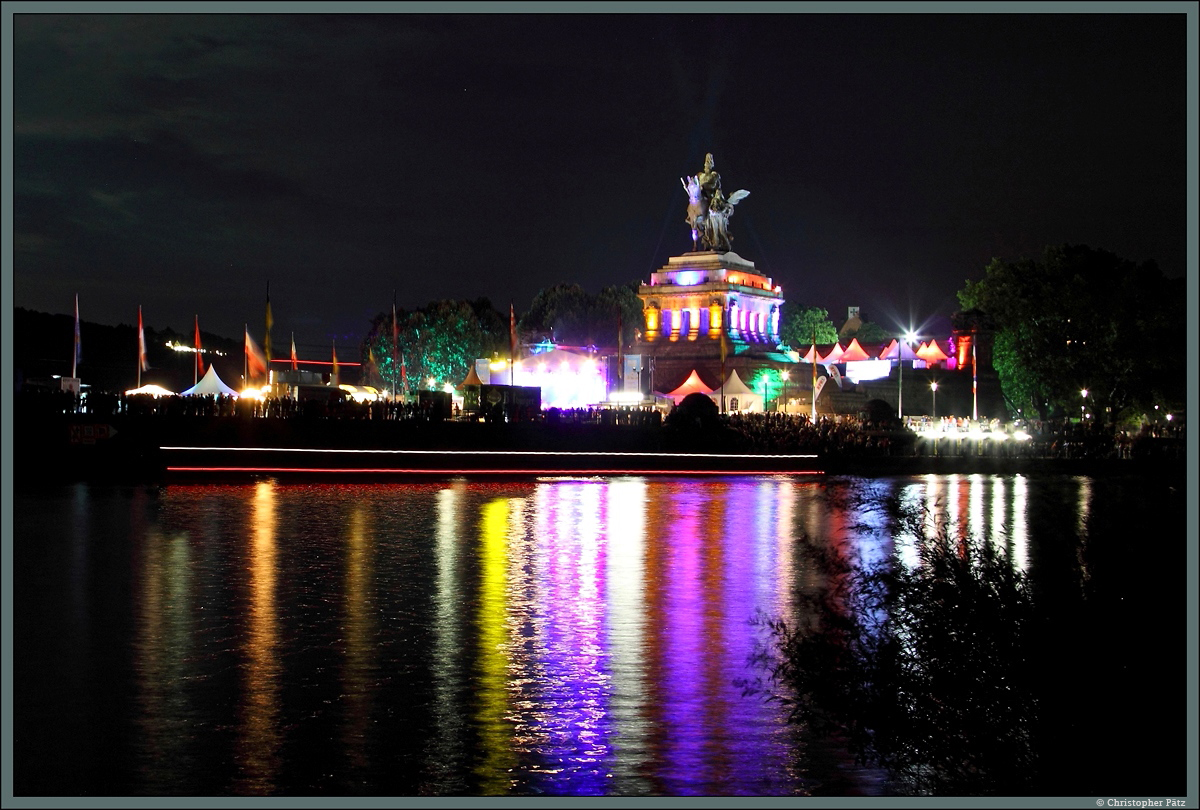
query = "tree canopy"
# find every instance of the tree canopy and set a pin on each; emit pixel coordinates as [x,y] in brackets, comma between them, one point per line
[567,314]
[1080,319]
[870,332]
[440,340]
[800,322]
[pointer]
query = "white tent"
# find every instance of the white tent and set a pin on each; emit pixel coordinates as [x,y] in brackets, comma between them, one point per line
[151,389]
[738,395]
[210,383]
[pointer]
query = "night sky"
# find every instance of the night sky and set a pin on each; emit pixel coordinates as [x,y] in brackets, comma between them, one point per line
[181,162]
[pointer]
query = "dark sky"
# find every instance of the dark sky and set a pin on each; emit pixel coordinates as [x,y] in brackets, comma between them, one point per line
[181,162]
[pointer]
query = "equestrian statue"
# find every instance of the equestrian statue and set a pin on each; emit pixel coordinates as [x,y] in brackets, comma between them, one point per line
[709,210]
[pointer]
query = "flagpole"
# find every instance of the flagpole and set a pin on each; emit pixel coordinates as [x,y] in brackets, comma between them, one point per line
[75,353]
[196,341]
[974,378]
[395,340]
[724,351]
[814,370]
[246,354]
[267,338]
[141,347]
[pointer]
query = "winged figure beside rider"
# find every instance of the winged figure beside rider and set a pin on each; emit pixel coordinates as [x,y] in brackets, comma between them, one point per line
[708,208]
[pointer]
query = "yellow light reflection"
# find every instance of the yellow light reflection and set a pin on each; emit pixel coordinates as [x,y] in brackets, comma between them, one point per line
[360,633]
[162,650]
[1085,512]
[259,737]
[495,731]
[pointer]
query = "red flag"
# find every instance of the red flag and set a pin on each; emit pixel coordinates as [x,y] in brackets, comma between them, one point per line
[142,364]
[295,362]
[256,361]
[199,356]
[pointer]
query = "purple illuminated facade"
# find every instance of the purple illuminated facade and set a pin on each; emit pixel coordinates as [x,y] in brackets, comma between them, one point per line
[700,298]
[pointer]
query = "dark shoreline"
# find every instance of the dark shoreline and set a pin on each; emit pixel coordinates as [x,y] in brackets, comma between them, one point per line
[51,448]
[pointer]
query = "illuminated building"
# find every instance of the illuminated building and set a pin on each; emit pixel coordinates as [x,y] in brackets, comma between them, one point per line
[695,300]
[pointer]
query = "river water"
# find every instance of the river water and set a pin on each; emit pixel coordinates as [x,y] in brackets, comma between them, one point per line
[461,637]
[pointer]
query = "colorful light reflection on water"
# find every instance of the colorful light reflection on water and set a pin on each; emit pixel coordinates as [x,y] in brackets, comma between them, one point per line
[557,637]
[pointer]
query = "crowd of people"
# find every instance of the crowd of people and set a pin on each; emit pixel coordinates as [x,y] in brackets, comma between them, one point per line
[842,434]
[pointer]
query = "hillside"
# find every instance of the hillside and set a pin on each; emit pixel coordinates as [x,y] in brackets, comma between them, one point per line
[42,346]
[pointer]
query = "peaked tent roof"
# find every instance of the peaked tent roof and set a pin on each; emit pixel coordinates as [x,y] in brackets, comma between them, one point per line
[835,354]
[933,353]
[210,383]
[691,385]
[151,389]
[735,389]
[890,349]
[854,352]
[810,355]
[472,378]
[734,386]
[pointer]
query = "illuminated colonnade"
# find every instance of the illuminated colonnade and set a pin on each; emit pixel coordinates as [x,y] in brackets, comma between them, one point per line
[699,296]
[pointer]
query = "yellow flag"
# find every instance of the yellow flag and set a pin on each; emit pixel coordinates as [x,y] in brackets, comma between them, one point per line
[267,339]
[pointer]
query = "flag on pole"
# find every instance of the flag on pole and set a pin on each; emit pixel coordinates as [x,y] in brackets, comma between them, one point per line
[834,373]
[815,388]
[295,361]
[724,354]
[372,366]
[395,347]
[77,356]
[819,387]
[256,361]
[199,356]
[404,374]
[142,363]
[620,353]
[335,365]
[270,323]
[974,379]
[512,344]
[512,333]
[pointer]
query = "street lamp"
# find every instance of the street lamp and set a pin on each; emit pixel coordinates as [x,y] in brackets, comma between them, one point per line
[783,375]
[1083,408]
[933,388]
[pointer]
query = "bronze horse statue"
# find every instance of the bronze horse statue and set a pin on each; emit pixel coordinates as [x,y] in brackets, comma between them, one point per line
[709,219]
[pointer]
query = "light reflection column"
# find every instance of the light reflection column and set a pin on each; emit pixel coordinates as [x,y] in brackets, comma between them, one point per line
[163,647]
[360,633]
[447,751]
[259,738]
[495,731]
[625,597]
[1085,512]
[1020,523]
[572,739]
